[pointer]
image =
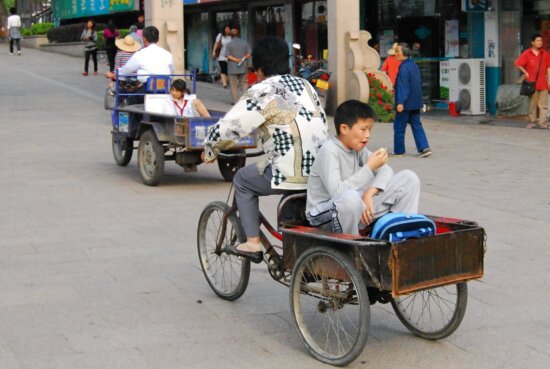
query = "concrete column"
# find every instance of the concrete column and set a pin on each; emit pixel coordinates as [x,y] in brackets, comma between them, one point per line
[167,16]
[343,17]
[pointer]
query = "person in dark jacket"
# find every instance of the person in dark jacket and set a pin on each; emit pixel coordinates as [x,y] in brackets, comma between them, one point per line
[408,102]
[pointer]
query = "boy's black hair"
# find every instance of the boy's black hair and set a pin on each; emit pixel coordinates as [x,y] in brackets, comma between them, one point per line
[535,36]
[180,85]
[271,55]
[151,34]
[349,112]
[13,10]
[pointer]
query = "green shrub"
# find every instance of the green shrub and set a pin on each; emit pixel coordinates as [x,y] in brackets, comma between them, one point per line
[381,99]
[26,32]
[41,28]
[69,32]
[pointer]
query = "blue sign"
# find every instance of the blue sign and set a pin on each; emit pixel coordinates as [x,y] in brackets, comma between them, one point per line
[475,5]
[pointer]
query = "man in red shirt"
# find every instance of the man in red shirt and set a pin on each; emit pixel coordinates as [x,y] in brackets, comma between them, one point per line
[534,63]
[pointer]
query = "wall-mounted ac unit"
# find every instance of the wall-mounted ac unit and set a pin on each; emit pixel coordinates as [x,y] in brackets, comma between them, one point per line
[467,85]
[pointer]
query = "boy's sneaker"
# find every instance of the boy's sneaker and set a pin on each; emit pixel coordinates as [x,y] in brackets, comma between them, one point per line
[425,153]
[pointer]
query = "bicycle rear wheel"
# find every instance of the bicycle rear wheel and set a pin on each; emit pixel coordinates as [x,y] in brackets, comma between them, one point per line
[226,274]
[330,305]
[432,314]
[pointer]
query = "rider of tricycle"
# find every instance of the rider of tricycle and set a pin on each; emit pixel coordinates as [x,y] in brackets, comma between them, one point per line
[286,114]
[350,186]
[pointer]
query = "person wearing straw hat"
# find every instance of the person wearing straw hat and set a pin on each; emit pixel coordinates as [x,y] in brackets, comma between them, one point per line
[391,64]
[127,46]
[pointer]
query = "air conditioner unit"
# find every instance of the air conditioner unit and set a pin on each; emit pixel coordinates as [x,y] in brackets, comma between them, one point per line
[467,85]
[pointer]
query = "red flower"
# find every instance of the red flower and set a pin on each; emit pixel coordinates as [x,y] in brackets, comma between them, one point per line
[380,102]
[379,96]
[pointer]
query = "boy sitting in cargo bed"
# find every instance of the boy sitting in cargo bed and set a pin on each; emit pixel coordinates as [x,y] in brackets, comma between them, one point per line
[349,185]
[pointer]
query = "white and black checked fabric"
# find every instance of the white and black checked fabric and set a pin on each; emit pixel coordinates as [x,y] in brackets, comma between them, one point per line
[213,133]
[278,177]
[305,113]
[252,105]
[283,141]
[324,117]
[293,84]
[307,162]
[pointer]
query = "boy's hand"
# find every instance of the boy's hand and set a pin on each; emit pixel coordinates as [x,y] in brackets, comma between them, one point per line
[400,108]
[368,215]
[377,159]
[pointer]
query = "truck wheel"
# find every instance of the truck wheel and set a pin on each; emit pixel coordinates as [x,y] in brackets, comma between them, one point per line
[150,158]
[230,166]
[122,150]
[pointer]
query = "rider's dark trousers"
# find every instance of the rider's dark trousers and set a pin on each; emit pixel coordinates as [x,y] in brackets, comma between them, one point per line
[249,185]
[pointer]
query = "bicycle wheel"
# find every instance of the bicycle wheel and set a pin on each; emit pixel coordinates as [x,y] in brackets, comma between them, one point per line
[330,305]
[226,274]
[435,313]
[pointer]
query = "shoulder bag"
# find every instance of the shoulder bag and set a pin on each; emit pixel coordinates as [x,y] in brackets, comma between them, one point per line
[527,87]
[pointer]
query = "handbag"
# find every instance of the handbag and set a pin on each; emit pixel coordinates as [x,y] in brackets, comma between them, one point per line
[527,87]
[218,47]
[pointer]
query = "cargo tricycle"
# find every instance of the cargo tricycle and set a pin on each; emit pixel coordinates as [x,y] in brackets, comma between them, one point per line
[162,137]
[334,277]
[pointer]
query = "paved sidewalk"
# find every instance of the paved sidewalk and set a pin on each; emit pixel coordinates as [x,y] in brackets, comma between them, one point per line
[98,271]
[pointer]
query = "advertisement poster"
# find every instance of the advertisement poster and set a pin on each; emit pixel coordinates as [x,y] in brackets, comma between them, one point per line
[66,9]
[491,40]
[444,79]
[451,39]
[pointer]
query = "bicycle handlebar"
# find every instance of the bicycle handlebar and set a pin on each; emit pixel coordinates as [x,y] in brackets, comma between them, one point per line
[240,154]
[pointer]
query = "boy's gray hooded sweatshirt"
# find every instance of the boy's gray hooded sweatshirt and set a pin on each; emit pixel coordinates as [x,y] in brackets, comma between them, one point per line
[337,168]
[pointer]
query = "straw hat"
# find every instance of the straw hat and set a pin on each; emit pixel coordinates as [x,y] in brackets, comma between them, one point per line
[128,44]
[392,50]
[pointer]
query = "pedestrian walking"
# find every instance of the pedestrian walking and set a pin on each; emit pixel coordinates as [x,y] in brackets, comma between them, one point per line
[110,34]
[408,102]
[237,54]
[14,31]
[89,36]
[534,63]
[218,52]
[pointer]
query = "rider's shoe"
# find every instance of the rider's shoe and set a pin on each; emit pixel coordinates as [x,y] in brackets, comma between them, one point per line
[256,257]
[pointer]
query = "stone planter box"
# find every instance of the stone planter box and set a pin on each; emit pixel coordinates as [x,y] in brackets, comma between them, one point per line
[66,48]
[34,42]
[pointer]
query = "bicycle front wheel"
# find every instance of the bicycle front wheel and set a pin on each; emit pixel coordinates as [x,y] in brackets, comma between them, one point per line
[330,305]
[432,314]
[226,274]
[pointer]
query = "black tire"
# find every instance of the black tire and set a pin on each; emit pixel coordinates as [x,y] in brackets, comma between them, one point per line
[229,166]
[319,298]
[435,313]
[123,149]
[226,274]
[150,158]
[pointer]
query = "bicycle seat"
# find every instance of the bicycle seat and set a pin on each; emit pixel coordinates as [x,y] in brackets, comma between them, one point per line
[292,209]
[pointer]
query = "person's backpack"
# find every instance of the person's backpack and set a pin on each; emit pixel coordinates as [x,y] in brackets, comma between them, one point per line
[395,227]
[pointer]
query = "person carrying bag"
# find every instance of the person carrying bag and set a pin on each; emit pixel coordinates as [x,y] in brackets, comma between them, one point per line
[535,62]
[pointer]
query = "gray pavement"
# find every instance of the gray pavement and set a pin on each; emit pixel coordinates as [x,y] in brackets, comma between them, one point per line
[99,271]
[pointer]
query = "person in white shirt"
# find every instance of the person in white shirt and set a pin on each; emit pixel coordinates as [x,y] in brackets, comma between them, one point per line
[14,30]
[152,60]
[183,104]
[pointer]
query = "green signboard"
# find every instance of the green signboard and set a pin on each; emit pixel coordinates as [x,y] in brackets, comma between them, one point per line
[65,9]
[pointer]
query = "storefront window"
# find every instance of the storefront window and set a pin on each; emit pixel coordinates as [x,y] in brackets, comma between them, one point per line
[269,21]
[237,19]
[311,28]
[196,42]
